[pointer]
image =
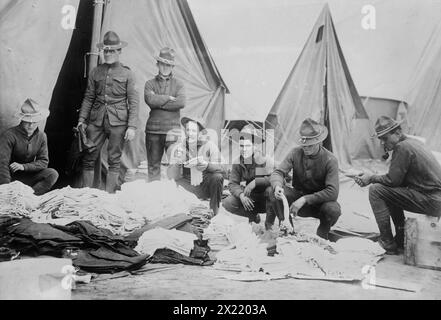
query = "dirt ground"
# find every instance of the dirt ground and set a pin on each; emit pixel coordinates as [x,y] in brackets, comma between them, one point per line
[195,283]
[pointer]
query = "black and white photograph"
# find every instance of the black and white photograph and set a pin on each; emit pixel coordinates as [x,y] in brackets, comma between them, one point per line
[220,154]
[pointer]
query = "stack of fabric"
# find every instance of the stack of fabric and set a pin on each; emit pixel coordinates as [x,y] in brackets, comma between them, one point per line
[96,249]
[216,233]
[17,199]
[62,206]
[298,255]
[156,200]
[173,246]
[201,216]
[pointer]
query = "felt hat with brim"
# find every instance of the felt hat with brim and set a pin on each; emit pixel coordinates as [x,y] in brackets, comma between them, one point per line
[384,125]
[167,56]
[30,111]
[251,132]
[311,132]
[111,41]
[199,121]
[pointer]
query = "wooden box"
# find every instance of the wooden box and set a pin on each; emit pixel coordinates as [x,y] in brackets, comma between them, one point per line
[422,242]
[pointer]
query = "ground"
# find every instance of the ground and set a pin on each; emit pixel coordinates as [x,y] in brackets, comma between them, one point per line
[196,283]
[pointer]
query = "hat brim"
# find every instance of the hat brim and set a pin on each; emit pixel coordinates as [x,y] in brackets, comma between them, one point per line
[169,62]
[383,132]
[312,141]
[122,44]
[185,120]
[30,117]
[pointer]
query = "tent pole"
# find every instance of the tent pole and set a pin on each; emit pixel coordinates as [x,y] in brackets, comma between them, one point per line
[96,32]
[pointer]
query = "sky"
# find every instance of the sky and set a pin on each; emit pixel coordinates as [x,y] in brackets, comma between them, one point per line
[255,43]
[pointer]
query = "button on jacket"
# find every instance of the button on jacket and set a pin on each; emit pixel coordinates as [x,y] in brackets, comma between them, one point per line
[111,88]
[16,146]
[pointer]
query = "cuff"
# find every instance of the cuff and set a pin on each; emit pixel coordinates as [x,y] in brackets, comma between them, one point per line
[310,198]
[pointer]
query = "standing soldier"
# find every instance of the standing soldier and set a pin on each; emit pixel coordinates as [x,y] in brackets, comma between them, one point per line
[165,95]
[110,108]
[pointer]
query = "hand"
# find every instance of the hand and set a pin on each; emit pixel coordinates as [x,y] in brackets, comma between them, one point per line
[171,98]
[285,225]
[130,134]
[247,203]
[363,180]
[297,205]
[278,192]
[16,167]
[250,187]
[81,124]
[201,165]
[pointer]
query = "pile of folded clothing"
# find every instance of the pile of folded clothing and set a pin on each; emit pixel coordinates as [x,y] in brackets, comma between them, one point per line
[96,249]
[17,199]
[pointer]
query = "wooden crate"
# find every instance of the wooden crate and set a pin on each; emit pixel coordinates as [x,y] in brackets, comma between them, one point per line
[422,242]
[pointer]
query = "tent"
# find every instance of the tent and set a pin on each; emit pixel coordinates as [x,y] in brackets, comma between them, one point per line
[41,59]
[320,86]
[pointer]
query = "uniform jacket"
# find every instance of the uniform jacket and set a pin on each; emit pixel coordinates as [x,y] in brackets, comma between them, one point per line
[316,176]
[16,146]
[247,172]
[412,166]
[164,114]
[206,149]
[111,88]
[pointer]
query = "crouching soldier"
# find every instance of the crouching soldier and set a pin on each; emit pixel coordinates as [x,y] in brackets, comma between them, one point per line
[24,153]
[253,169]
[315,183]
[196,164]
[413,183]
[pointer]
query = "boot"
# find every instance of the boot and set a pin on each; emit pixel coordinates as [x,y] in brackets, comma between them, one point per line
[87,177]
[254,218]
[399,238]
[112,181]
[386,241]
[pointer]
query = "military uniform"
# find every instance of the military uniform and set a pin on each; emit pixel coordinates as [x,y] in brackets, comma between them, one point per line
[110,106]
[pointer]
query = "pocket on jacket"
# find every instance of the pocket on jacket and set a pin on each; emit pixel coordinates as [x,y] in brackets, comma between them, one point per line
[120,112]
[119,86]
[100,84]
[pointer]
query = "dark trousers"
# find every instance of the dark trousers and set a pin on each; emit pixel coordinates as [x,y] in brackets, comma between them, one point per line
[388,202]
[326,212]
[234,205]
[41,181]
[210,188]
[155,145]
[98,135]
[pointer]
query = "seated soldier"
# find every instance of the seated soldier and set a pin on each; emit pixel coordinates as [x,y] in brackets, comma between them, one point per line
[253,169]
[195,164]
[413,183]
[24,153]
[315,182]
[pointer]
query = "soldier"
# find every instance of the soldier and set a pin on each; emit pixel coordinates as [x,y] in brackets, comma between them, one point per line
[196,164]
[315,183]
[110,109]
[413,183]
[165,95]
[24,154]
[253,170]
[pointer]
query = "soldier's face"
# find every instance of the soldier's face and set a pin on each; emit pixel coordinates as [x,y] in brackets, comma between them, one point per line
[246,148]
[389,140]
[311,150]
[111,55]
[29,127]
[164,69]
[191,129]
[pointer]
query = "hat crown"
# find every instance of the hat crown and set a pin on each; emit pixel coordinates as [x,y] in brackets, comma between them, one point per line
[310,129]
[30,107]
[249,131]
[385,124]
[167,54]
[111,38]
